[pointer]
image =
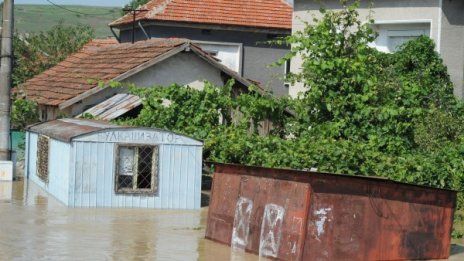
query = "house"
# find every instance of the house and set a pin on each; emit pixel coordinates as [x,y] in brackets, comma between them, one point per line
[398,21]
[81,80]
[86,163]
[235,32]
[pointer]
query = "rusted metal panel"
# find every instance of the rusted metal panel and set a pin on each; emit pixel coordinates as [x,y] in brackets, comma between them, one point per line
[319,216]
[249,214]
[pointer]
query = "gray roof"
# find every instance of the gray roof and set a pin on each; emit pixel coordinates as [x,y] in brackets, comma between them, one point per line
[114,107]
[67,129]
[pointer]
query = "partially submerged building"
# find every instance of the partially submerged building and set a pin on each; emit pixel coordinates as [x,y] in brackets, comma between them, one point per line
[85,163]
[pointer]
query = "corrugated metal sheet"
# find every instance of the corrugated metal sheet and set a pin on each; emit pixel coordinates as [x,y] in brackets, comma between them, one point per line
[114,107]
[297,215]
[59,166]
[88,130]
[66,129]
[93,178]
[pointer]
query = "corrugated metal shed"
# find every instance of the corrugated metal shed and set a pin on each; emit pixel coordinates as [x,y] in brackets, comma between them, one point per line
[114,107]
[86,163]
[298,215]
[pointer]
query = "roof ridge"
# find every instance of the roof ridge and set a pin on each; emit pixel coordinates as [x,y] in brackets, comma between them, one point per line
[269,14]
[158,9]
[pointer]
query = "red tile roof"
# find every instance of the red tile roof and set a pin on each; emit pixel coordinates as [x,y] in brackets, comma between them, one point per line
[269,14]
[99,60]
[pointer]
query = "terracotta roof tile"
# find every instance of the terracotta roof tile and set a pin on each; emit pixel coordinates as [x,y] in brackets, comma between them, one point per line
[98,60]
[270,14]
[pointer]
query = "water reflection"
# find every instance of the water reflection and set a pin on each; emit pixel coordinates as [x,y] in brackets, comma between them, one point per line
[35,226]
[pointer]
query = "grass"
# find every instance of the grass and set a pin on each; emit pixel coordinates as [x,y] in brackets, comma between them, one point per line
[36,18]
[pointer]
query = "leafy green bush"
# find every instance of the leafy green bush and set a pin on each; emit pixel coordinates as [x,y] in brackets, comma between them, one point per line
[35,53]
[23,113]
[364,112]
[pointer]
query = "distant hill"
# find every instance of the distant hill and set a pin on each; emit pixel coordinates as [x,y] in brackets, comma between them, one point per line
[36,18]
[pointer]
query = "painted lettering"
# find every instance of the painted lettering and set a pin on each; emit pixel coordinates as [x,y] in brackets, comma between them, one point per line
[271,230]
[322,216]
[241,227]
[141,136]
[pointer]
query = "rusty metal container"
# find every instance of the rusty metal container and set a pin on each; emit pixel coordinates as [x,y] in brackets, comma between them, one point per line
[299,215]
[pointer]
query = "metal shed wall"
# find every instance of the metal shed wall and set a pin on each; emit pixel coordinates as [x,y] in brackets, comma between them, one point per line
[82,165]
[58,166]
[92,179]
[298,215]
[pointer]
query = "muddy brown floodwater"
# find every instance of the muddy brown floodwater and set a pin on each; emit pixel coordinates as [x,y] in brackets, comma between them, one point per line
[35,226]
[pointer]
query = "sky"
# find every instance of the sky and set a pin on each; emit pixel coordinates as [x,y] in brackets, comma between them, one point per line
[118,3]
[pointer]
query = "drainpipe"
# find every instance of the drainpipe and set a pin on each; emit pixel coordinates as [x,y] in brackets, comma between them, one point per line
[143,30]
[115,35]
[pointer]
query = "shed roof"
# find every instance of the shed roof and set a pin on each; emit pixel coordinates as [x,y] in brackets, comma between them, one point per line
[69,129]
[268,14]
[115,106]
[79,75]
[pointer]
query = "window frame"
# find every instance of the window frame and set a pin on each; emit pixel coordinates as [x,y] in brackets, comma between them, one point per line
[42,168]
[154,190]
[399,28]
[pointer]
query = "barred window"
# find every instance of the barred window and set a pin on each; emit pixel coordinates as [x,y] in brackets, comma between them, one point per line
[137,169]
[43,144]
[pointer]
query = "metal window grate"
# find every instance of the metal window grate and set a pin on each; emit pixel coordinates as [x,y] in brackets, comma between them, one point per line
[137,169]
[43,144]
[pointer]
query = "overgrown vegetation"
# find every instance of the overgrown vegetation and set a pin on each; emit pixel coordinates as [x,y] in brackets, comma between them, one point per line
[37,52]
[24,112]
[364,112]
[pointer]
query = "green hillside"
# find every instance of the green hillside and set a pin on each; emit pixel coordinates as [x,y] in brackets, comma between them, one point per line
[36,18]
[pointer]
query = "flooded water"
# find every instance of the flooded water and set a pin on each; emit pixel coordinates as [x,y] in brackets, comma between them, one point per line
[34,226]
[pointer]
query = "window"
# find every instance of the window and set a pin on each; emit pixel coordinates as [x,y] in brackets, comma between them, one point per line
[398,37]
[137,169]
[391,36]
[229,54]
[43,144]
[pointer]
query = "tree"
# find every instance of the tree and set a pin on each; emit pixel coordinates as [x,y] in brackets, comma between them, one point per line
[36,53]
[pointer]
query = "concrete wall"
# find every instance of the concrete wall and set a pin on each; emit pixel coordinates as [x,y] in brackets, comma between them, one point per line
[182,68]
[256,56]
[452,42]
[448,37]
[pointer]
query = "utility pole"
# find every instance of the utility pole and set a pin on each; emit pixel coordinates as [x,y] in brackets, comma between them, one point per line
[5,78]
[134,13]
